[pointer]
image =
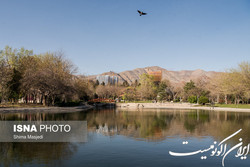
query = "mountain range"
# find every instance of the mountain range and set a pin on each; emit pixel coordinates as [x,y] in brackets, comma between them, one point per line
[173,76]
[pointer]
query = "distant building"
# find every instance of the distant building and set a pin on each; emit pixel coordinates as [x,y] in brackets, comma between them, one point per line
[157,75]
[106,79]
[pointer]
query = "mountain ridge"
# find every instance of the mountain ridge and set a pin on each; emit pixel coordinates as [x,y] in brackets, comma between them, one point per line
[173,76]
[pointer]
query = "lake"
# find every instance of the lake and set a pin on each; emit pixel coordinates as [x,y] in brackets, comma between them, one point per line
[135,138]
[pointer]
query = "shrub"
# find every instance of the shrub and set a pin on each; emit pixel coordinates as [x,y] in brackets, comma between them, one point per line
[192,99]
[177,100]
[203,100]
[69,104]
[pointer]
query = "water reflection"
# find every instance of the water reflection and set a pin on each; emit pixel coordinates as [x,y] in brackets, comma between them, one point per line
[152,125]
[41,116]
[28,153]
[45,154]
[146,125]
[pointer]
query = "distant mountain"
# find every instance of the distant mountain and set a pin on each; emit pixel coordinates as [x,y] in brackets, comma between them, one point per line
[172,76]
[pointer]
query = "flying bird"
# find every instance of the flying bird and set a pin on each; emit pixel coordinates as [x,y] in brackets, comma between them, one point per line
[141,13]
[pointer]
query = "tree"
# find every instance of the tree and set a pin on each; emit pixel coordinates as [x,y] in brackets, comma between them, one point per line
[241,76]
[102,92]
[147,88]
[125,83]
[192,99]
[203,100]
[96,83]
[84,89]
[130,94]
[136,83]
[233,84]
[12,70]
[165,90]
[14,85]
[51,76]
[178,91]
[190,86]
[189,89]
[197,88]
[5,77]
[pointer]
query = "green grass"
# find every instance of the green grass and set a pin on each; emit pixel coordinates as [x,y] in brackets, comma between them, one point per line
[233,105]
[148,101]
[9,105]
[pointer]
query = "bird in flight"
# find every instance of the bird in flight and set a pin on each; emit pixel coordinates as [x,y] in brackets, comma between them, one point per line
[141,13]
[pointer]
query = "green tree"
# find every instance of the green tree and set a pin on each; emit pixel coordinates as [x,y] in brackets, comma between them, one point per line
[14,85]
[125,83]
[190,86]
[147,89]
[51,76]
[130,94]
[192,99]
[165,90]
[203,100]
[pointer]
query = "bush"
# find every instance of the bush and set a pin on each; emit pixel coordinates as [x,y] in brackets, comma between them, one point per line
[177,100]
[203,100]
[192,99]
[69,104]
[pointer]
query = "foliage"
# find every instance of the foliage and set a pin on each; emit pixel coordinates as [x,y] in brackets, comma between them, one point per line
[192,99]
[234,106]
[108,91]
[46,76]
[147,89]
[130,94]
[176,100]
[203,100]
[69,104]
[165,90]
[234,85]
[125,84]
[50,78]
[189,86]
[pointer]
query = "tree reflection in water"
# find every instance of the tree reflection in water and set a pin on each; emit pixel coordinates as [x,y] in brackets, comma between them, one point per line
[148,125]
[155,125]
[25,153]
[36,153]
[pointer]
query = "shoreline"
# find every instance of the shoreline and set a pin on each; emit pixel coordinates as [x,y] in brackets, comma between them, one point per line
[130,106]
[47,109]
[175,106]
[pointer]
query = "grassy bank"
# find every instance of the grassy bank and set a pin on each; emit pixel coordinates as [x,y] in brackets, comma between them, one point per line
[247,106]
[9,105]
[148,101]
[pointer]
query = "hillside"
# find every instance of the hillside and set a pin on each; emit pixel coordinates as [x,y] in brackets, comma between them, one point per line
[172,76]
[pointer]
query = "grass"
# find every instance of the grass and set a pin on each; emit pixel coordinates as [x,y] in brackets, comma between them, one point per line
[9,105]
[148,101]
[233,105]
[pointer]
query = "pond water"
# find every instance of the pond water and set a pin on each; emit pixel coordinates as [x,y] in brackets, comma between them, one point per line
[135,138]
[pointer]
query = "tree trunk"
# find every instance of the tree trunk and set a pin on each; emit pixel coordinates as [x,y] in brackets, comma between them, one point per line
[53,100]
[44,100]
[34,98]
[238,100]
[218,98]
[225,99]
[41,99]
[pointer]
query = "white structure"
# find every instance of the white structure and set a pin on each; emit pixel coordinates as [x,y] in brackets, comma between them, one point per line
[113,80]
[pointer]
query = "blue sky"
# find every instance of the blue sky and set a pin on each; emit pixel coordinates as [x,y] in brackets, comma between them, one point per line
[104,35]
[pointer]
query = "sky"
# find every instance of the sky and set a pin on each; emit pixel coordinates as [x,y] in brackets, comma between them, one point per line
[109,35]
